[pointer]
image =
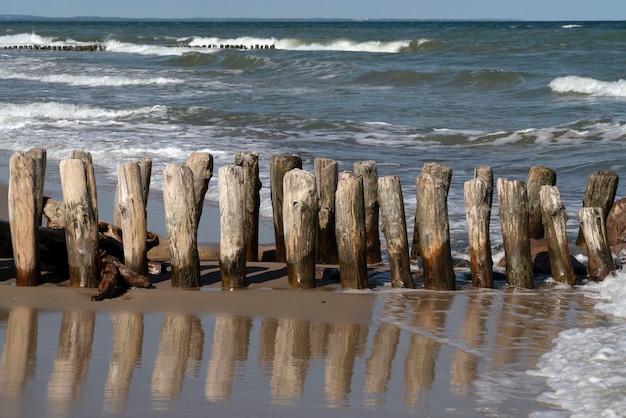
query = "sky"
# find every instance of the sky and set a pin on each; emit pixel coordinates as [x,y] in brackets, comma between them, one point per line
[352,9]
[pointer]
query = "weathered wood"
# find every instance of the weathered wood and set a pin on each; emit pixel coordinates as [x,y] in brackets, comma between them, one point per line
[434,230]
[599,193]
[554,220]
[181,225]
[145,170]
[90,177]
[22,208]
[279,165]
[478,214]
[538,176]
[201,166]
[249,161]
[232,236]
[326,177]
[592,224]
[81,222]
[133,217]
[513,205]
[369,172]
[486,173]
[39,154]
[300,208]
[394,229]
[350,230]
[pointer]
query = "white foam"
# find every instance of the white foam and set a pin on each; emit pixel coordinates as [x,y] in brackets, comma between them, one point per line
[589,86]
[348,45]
[89,80]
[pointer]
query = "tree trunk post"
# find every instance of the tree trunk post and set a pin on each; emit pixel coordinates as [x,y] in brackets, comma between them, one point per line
[394,229]
[369,172]
[350,230]
[592,223]
[513,204]
[133,217]
[486,173]
[300,208]
[249,161]
[599,193]
[201,166]
[434,230]
[279,165]
[81,222]
[478,214]
[232,235]
[181,225]
[326,177]
[90,178]
[538,176]
[22,206]
[554,224]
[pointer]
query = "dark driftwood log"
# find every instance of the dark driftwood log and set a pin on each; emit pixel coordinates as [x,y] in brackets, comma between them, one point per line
[394,229]
[350,229]
[279,165]
[116,278]
[538,176]
[249,161]
[478,214]
[434,230]
[513,204]
[326,177]
[369,172]
[22,205]
[592,225]
[554,221]
[599,193]
[232,236]
[300,208]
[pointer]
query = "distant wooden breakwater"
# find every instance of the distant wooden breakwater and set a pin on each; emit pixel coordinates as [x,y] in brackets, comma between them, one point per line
[100,47]
[320,217]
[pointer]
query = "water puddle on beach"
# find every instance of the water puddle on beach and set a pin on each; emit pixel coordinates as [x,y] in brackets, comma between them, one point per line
[463,353]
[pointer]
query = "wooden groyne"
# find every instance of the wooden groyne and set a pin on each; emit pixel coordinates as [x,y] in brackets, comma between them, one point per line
[99,254]
[101,47]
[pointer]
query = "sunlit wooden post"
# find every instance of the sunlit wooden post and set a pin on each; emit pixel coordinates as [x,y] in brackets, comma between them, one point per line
[249,161]
[232,236]
[593,228]
[554,222]
[599,193]
[201,166]
[326,177]
[538,176]
[369,172]
[279,165]
[478,214]
[133,217]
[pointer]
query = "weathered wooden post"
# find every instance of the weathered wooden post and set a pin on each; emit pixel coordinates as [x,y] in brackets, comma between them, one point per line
[90,178]
[554,221]
[486,173]
[599,193]
[538,176]
[432,187]
[513,205]
[300,208]
[326,177]
[181,225]
[22,206]
[394,229]
[369,172]
[592,223]
[201,166]
[232,236]
[81,221]
[279,165]
[350,230]
[145,172]
[40,156]
[249,161]
[133,217]
[478,214]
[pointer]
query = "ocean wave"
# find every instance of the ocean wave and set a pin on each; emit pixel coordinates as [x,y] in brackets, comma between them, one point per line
[89,80]
[348,45]
[589,86]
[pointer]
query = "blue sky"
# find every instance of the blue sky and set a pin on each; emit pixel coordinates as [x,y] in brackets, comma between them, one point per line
[417,9]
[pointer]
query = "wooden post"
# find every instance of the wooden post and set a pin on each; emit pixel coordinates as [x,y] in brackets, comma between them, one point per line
[478,214]
[279,165]
[300,208]
[592,223]
[394,229]
[22,206]
[249,161]
[486,173]
[513,205]
[554,221]
[133,217]
[434,231]
[145,173]
[538,176]
[232,236]
[181,225]
[201,166]
[369,172]
[81,222]
[350,230]
[40,156]
[90,178]
[600,193]
[326,177]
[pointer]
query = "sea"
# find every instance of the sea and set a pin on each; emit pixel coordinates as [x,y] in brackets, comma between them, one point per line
[505,94]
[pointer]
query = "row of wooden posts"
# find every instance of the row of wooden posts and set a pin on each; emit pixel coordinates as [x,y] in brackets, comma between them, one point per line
[325,217]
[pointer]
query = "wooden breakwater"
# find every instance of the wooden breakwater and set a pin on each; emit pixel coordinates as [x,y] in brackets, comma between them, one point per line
[306,206]
[101,47]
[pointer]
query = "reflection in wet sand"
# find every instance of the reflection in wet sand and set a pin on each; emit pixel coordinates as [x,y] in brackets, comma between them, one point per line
[291,360]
